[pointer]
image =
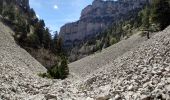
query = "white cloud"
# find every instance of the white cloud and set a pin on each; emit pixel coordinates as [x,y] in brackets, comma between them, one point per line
[55,7]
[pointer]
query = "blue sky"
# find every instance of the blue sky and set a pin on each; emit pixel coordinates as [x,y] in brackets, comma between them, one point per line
[56,13]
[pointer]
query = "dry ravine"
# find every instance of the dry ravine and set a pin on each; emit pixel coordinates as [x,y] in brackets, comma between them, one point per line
[141,73]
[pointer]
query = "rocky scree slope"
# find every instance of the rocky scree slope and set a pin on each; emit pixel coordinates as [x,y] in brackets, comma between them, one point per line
[16,65]
[140,74]
[88,65]
[18,74]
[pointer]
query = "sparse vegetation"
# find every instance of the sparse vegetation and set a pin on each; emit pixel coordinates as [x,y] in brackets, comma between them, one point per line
[58,71]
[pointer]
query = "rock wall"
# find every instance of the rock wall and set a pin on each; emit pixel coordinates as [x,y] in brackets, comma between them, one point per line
[97,17]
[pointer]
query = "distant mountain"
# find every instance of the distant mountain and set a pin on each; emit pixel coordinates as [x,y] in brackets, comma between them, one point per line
[97,17]
[92,31]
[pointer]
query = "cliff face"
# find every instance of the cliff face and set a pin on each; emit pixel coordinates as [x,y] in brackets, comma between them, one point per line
[97,17]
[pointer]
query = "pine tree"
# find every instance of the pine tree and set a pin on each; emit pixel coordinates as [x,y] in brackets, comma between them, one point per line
[160,13]
[60,71]
[59,45]
[54,43]
[47,39]
[145,18]
[63,69]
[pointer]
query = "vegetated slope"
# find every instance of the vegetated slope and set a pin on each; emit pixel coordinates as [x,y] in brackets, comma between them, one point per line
[89,64]
[30,32]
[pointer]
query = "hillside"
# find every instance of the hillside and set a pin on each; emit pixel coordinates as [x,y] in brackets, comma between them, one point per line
[141,73]
[87,65]
[19,71]
[29,31]
[13,55]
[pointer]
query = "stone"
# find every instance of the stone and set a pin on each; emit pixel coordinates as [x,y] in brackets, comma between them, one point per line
[36,97]
[167,88]
[130,88]
[167,69]
[102,98]
[145,97]
[50,97]
[117,97]
[88,98]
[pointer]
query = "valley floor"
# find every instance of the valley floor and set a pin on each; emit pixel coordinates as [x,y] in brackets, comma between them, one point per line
[140,71]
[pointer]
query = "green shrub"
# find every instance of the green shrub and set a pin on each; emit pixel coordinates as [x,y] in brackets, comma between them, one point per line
[63,69]
[59,71]
[33,41]
[113,40]
[54,72]
[44,75]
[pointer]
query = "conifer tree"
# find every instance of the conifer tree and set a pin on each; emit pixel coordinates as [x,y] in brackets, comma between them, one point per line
[160,13]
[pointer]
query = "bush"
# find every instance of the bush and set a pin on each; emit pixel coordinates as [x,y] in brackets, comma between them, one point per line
[63,69]
[113,40]
[33,41]
[44,75]
[59,71]
[54,72]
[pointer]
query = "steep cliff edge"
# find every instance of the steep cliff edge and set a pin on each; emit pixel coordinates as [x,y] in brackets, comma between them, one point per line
[97,17]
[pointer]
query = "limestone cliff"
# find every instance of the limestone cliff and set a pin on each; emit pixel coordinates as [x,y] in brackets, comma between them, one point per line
[96,18]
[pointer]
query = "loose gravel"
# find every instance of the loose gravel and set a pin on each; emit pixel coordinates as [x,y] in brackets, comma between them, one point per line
[141,71]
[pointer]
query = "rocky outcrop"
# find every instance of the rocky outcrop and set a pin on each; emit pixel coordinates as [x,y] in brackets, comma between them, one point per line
[97,17]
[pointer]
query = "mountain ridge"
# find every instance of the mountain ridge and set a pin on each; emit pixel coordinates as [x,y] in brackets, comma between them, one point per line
[96,18]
